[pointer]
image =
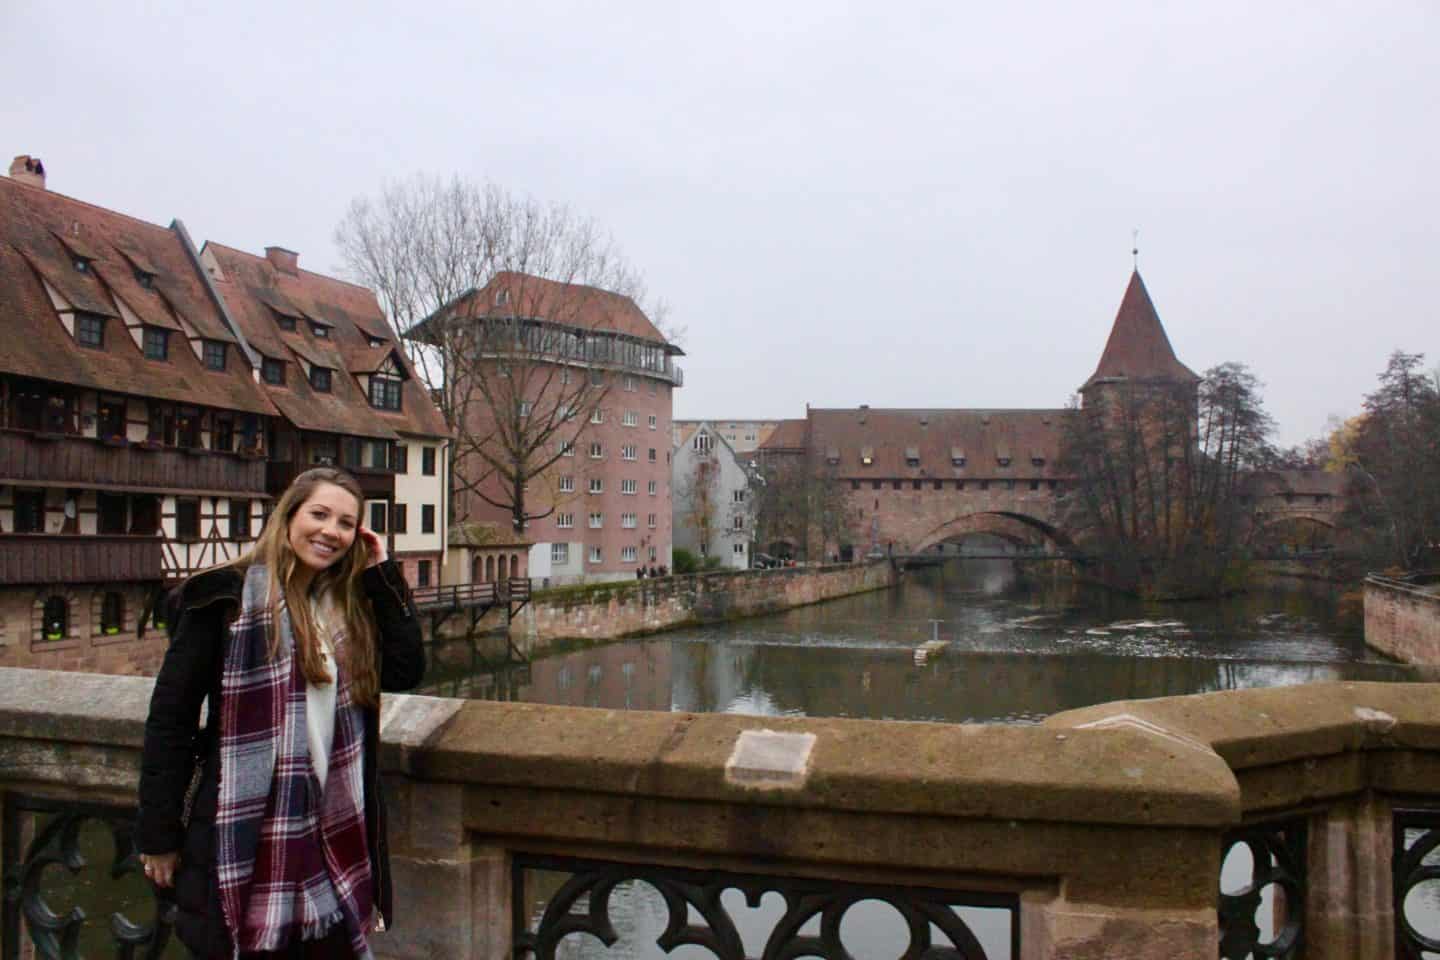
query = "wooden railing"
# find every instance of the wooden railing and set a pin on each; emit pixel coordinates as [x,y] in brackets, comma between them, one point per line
[57,558]
[375,484]
[27,457]
[457,596]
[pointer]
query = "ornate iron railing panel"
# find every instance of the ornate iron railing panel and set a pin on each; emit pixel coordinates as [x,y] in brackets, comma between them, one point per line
[809,924]
[57,842]
[1277,857]
[1414,860]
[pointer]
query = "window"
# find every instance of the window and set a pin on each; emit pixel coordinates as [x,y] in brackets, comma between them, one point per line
[286,323]
[187,428]
[629,383]
[738,548]
[90,330]
[272,371]
[652,554]
[564,378]
[896,484]
[597,450]
[55,619]
[565,521]
[110,513]
[651,386]
[597,521]
[157,343]
[559,553]
[213,353]
[630,418]
[81,264]
[701,442]
[854,484]
[651,421]
[525,406]
[422,573]
[427,461]
[145,279]
[110,424]
[597,415]
[377,517]
[915,484]
[222,433]
[1003,461]
[399,518]
[320,379]
[112,612]
[630,487]
[867,456]
[384,392]
[567,484]
[912,457]
[597,485]
[400,458]
[594,554]
[239,519]
[650,520]
[627,520]
[738,496]
[29,511]
[984,484]
[739,523]
[628,555]
[651,455]
[427,518]
[597,377]
[187,519]
[567,449]
[875,484]
[629,452]
[320,330]
[651,487]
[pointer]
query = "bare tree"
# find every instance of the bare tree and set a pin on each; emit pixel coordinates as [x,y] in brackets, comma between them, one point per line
[800,502]
[503,304]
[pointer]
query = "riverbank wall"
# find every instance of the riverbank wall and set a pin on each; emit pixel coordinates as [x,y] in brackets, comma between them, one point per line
[1402,618]
[609,611]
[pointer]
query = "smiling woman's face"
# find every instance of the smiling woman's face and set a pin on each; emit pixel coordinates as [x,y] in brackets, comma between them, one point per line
[324,526]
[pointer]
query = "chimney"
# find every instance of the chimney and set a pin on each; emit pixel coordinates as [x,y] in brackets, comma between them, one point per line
[286,261]
[28,170]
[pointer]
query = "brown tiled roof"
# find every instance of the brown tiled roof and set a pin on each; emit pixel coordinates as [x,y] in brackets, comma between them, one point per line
[787,435]
[573,304]
[1138,348]
[982,437]
[36,344]
[255,292]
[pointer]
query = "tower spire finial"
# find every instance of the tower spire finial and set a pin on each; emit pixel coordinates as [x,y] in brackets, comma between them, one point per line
[1135,248]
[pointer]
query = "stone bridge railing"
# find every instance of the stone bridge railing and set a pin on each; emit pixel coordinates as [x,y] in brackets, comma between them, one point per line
[1100,833]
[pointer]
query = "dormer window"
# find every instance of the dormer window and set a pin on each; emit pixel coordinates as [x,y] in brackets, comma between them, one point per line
[832,456]
[90,330]
[867,456]
[320,379]
[157,343]
[376,342]
[145,279]
[385,392]
[320,331]
[286,323]
[957,457]
[81,264]
[1003,461]
[502,297]
[912,456]
[1037,461]
[212,352]
[272,371]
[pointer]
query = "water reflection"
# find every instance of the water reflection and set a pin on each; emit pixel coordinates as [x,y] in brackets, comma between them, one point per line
[967,642]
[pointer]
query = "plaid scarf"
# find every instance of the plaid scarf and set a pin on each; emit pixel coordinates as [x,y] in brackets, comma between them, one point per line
[291,858]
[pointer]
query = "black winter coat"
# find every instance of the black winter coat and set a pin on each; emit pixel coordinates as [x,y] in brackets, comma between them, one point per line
[199,613]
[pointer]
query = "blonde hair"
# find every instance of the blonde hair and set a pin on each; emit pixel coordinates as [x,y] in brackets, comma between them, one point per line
[359,654]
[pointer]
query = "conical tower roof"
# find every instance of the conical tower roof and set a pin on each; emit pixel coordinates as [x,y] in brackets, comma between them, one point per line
[1138,348]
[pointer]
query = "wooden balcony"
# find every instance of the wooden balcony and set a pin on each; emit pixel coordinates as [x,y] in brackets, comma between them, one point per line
[60,460]
[375,484]
[51,558]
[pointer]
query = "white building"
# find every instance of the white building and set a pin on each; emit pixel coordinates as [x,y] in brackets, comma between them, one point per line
[713,510]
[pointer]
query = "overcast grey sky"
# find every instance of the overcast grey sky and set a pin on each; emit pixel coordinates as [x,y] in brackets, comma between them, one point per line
[898,204]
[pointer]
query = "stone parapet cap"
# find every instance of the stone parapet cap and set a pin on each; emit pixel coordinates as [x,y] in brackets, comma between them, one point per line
[990,771]
[1274,725]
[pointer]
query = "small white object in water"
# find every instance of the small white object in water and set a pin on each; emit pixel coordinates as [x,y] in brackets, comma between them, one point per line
[922,652]
[1097,632]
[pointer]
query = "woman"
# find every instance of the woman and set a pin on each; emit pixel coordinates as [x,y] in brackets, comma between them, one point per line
[268,821]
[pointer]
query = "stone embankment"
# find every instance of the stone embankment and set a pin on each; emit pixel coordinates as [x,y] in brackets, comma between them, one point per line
[610,610]
[1402,617]
[1100,833]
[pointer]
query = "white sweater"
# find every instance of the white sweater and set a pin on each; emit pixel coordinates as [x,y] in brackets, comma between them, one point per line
[320,698]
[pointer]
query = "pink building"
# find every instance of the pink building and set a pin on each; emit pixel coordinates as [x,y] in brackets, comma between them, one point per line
[576,383]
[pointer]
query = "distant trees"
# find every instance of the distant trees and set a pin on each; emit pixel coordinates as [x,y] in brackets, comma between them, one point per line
[1392,456]
[465,271]
[1160,470]
[798,502]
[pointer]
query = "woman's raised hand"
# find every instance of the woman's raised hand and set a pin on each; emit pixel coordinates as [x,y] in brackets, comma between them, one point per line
[375,545]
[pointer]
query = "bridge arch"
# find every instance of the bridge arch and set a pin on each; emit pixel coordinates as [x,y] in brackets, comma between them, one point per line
[1019,529]
[1298,531]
